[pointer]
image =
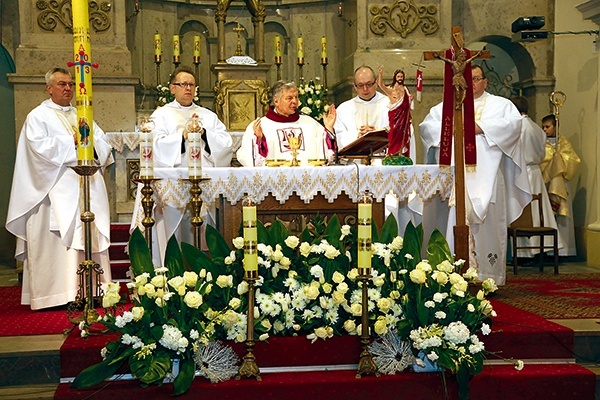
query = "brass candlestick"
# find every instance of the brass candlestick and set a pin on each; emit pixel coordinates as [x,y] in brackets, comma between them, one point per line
[196,206]
[324,64]
[249,368]
[366,365]
[157,61]
[88,269]
[148,206]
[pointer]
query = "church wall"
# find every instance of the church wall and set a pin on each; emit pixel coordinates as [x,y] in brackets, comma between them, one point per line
[576,69]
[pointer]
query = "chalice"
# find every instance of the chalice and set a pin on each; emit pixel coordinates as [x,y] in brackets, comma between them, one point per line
[294,142]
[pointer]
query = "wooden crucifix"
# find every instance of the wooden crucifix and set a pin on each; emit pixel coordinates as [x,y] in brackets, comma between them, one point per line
[459,61]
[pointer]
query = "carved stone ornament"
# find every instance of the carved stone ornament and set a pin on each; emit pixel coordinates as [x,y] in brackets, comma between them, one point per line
[403,17]
[239,102]
[53,12]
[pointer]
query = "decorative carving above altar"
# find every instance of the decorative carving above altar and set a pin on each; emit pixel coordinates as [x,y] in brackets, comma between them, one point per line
[239,102]
[403,17]
[54,11]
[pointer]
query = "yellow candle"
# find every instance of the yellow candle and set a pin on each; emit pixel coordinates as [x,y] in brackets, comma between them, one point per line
[157,45]
[277,43]
[364,238]
[176,48]
[83,79]
[300,50]
[197,46]
[250,238]
[323,49]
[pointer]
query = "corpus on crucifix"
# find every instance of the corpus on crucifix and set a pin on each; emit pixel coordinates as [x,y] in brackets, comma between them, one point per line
[457,59]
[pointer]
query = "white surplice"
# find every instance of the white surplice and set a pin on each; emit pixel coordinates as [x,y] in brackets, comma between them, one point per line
[533,143]
[498,190]
[44,211]
[170,121]
[356,112]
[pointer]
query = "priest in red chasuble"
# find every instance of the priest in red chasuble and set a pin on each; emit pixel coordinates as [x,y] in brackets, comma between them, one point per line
[498,189]
[266,138]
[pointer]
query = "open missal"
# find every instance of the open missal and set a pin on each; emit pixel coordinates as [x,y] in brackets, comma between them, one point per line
[368,145]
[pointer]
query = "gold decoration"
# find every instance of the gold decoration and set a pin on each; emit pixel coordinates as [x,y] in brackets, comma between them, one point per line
[239,102]
[404,17]
[54,11]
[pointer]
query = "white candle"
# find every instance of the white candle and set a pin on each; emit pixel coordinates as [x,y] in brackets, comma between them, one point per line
[145,128]
[194,148]
[250,236]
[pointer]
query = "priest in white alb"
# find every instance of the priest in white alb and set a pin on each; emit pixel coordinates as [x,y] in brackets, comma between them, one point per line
[170,151]
[498,189]
[44,211]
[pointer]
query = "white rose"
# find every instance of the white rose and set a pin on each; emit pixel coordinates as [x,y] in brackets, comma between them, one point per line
[418,276]
[292,242]
[305,249]
[224,281]
[350,326]
[191,278]
[137,312]
[238,242]
[338,277]
[193,299]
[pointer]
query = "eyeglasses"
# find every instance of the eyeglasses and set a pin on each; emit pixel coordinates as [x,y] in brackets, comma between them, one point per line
[65,84]
[477,79]
[367,85]
[184,85]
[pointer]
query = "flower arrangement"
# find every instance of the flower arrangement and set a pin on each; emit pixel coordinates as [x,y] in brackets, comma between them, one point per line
[164,95]
[312,99]
[307,285]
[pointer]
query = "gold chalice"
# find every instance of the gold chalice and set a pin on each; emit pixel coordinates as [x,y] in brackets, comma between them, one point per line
[295,142]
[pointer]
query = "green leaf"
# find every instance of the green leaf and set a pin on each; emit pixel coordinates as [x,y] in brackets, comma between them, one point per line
[464,383]
[374,232]
[173,258]
[97,373]
[139,254]
[389,230]
[438,249]
[333,231]
[278,233]
[183,381]
[152,368]
[262,234]
[215,242]
[413,241]
[196,259]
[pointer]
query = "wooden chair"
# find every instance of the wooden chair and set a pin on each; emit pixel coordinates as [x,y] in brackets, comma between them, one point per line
[523,227]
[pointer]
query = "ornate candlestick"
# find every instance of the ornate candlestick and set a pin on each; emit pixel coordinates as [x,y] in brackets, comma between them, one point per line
[157,55]
[196,206]
[278,46]
[249,368]
[194,161]
[88,269]
[197,57]
[324,63]
[300,45]
[366,365]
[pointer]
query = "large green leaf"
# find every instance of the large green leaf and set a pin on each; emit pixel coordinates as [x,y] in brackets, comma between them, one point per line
[389,230]
[215,242]
[151,368]
[139,254]
[195,259]
[333,231]
[413,241]
[278,233]
[262,233]
[97,373]
[183,381]
[173,258]
[438,249]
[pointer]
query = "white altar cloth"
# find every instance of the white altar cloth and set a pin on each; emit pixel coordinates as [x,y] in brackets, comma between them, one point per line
[306,182]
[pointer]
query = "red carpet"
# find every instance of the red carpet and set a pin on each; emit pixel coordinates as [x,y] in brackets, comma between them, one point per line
[554,296]
[19,320]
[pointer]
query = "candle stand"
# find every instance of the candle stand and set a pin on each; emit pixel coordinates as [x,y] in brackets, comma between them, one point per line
[148,206]
[82,308]
[157,61]
[301,70]
[366,365]
[197,68]
[196,206]
[324,64]
[249,368]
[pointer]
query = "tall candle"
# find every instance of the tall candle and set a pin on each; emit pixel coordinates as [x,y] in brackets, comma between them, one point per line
[250,235]
[157,47]
[83,79]
[197,48]
[176,48]
[300,50]
[194,148]
[146,127]
[323,50]
[364,234]
[277,44]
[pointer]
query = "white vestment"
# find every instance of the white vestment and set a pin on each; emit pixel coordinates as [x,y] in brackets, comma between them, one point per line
[498,190]
[354,113]
[44,211]
[314,146]
[533,144]
[170,121]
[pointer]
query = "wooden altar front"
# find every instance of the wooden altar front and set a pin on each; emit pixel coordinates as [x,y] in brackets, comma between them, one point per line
[293,194]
